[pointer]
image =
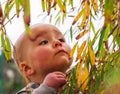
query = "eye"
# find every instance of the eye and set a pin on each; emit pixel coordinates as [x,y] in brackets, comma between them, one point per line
[43,42]
[61,40]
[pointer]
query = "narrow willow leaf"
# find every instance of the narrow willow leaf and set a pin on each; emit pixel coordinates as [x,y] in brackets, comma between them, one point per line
[85,78]
[81,34]
[26,7]
[107,30]
[70,89]
[92,26]
[27,29]
[74,82]
[57,20]
[8,44]
[78,17]
[86,14]
[71,3]
[50,20]
[21,3]
[58,13]
[8,8]
[102,51]
[2,39]
[26,15]
[101,39]
[61,6]
[8,50]
[80,50]
[95,5]
[1,11]
[17,7]
[71,33]
[118,40]
[43,5]
[54,3]
[95,37]
[92,55]
[63,17]
[109,7]
[48,6]
[73,50]
[82,75]
[78,73]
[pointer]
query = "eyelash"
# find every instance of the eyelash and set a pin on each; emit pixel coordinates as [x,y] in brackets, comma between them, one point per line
[43,42]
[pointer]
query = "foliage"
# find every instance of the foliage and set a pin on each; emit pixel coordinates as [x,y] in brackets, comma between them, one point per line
[96,56]
[10,79]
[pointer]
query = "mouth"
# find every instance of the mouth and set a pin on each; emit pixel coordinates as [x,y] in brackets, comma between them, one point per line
[62,51]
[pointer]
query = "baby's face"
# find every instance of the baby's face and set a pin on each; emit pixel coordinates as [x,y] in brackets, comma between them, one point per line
[48,50]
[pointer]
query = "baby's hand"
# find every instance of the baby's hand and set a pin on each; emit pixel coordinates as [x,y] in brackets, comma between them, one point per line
[55,80]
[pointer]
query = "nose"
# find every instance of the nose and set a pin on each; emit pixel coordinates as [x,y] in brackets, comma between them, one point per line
[57,43]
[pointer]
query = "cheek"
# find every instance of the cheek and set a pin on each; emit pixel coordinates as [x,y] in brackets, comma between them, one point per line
[42,55]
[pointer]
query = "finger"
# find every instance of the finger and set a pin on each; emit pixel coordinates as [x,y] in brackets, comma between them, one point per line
[60,73]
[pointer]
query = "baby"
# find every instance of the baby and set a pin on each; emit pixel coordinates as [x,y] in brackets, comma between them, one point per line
[43,58]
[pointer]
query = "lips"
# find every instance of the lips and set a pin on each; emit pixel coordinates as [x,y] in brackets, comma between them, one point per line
[61,51]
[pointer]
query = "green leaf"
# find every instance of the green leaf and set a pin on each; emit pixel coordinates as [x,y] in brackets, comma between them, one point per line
[107,30]
[71,3]
[92,26]
[8,50]
[21,3]
[27,29]
[109,7]
[74,81]
[102,52]
[17,7]
[101,39]
[118,40]
[8,44]
[8,8]
[95,38]
[71,33]
[2,40]
[57,20]
[26,7]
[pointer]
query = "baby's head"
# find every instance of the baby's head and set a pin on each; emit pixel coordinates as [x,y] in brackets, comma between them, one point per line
[41,52]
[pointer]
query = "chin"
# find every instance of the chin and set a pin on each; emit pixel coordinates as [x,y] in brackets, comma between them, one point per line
[64,65]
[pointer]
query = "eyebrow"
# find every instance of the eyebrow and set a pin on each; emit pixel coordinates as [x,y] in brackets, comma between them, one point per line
[41,33]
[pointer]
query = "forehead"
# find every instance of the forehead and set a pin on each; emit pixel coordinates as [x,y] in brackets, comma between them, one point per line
[44,29]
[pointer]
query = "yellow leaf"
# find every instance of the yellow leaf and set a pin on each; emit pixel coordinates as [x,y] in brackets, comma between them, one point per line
[95,5]
[86,14]
[17,7]
[78,73]
[54,3]
[92,55]
[81,34]
[48,6]
[61,5]
[82,74]
[73,50]
[78,16]
[85,78]
[63,17]
[80,50]
[43,5]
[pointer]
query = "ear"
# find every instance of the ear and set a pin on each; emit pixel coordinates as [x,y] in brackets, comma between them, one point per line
[26,69]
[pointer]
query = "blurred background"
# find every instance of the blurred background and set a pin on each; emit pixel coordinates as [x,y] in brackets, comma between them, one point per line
[10,79]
